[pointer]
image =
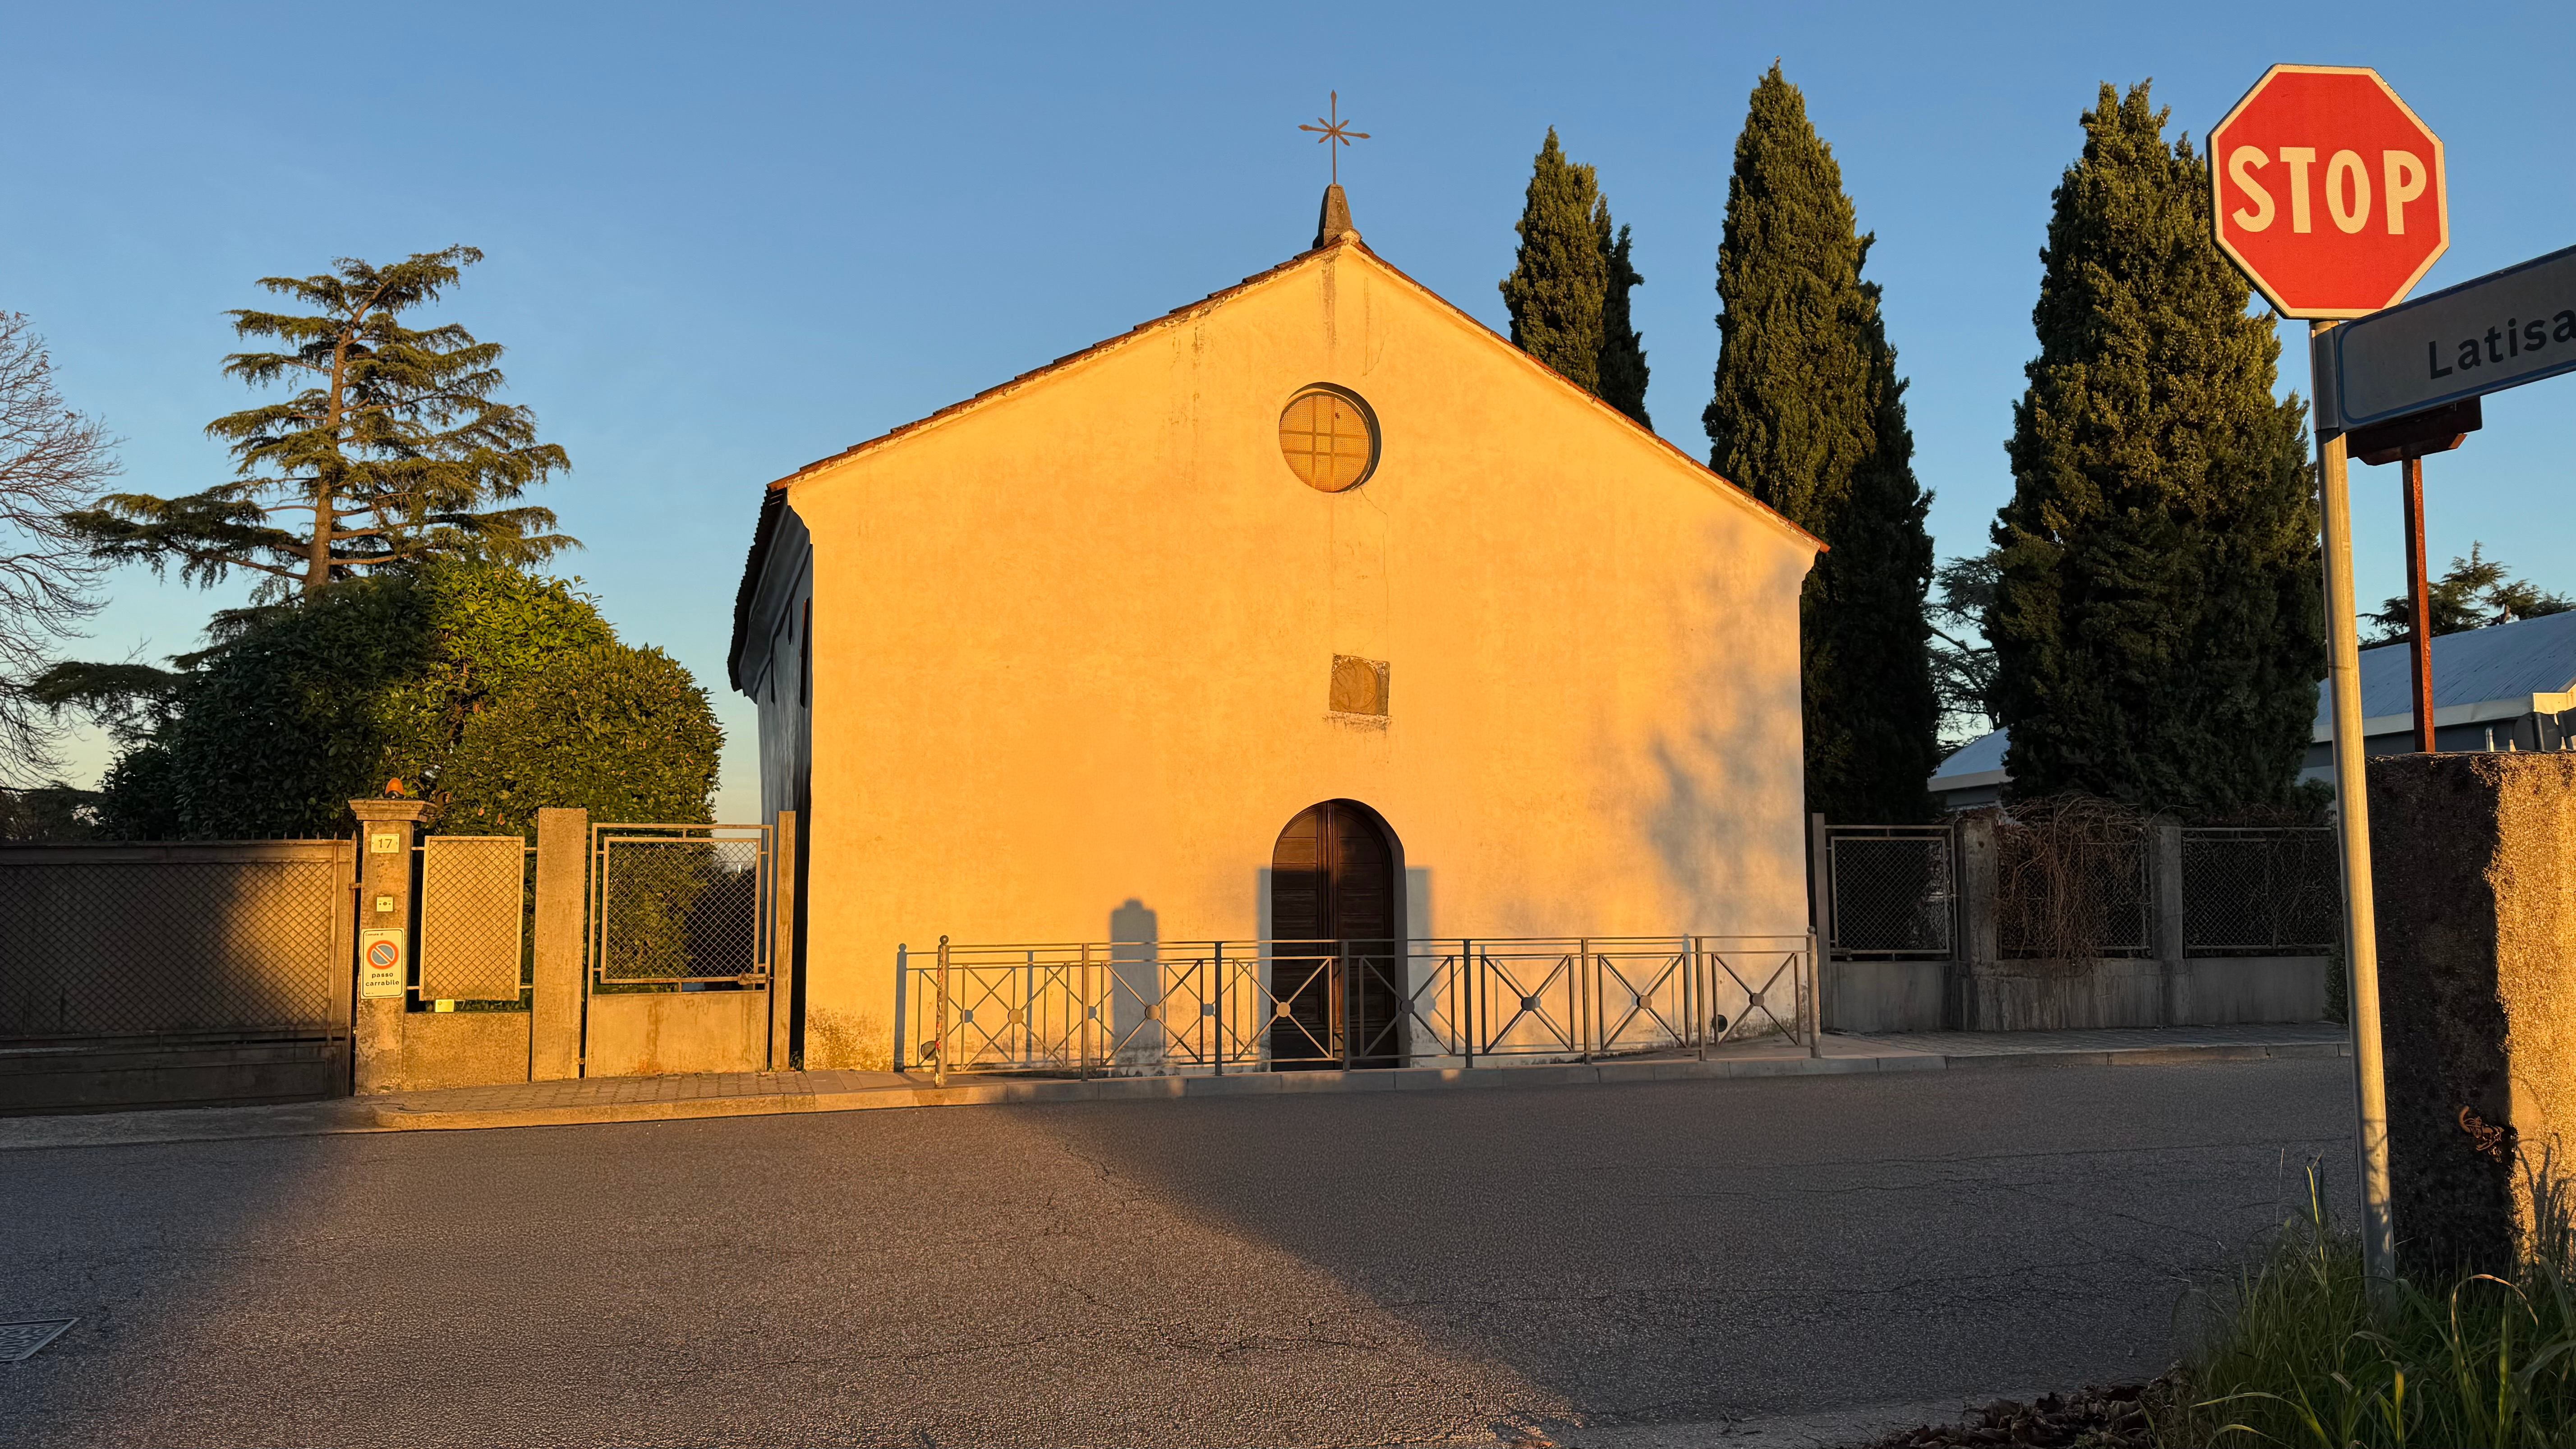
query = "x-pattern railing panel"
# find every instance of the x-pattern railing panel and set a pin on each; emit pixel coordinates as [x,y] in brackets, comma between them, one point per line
[1532,992]
[1758,998]
[1661,1006]
[1228,1006]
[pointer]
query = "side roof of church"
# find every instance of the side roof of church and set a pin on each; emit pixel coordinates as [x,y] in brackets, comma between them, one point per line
[773,501]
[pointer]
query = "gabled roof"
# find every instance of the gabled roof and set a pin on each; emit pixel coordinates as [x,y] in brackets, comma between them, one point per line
[1350,241]
[772,503]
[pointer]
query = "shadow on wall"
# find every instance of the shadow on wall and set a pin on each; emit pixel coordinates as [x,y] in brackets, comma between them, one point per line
[1720,861]
[1136,978]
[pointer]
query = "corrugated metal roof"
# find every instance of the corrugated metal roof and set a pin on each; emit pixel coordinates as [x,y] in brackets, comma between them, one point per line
[2502,664]
[2475,666]
[1985,752]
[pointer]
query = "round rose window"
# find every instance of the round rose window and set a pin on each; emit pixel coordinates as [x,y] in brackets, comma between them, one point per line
[1329,438]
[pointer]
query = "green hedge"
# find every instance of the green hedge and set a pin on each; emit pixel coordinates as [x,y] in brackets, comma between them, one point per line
[487,692]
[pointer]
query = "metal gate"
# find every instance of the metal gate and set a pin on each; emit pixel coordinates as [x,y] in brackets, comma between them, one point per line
[681,944]
[1890,892]
[151,973]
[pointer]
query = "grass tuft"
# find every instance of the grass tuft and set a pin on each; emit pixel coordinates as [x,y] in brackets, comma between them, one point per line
[2295,1356]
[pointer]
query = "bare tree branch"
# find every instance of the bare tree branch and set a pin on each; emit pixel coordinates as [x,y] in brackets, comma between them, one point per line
[52,462]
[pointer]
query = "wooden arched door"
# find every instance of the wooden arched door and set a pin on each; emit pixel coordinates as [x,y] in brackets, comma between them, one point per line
[1333,881]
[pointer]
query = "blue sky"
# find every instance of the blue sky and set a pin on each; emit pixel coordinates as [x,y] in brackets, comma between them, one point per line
[726,241]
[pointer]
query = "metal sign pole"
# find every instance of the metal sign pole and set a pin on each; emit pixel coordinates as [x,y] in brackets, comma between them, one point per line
[2352,820]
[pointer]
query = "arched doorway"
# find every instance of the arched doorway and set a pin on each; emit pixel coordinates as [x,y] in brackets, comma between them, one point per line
[1333,883]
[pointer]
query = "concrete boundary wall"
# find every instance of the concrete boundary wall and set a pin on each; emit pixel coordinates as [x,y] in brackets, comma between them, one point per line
[200,973]
[1876,996]
[2474,861]
[1981,990]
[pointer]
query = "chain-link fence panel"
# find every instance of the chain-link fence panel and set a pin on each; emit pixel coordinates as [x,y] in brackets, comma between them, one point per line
[475,903]
[680,908]
[2266,892]
[140,940]
[2070,891]
[1892,891]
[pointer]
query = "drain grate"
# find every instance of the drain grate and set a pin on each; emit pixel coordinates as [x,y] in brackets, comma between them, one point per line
[19,1341]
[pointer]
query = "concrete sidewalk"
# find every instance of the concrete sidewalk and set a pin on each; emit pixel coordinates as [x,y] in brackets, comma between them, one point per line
[763,1094]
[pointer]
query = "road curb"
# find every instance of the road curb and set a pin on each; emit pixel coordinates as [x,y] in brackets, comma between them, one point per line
[391,1117]
[346,1116]
[2147,1056]
[396,1117]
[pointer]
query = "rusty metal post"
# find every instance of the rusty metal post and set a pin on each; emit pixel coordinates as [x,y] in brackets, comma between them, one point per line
[939,1068]
[2419,605]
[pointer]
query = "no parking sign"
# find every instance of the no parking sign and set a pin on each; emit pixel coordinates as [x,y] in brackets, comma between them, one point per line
[380,963]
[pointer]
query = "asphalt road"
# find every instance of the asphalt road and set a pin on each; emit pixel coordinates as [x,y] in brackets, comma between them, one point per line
[1620,1264]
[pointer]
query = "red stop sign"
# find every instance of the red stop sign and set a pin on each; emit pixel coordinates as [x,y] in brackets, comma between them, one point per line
[2330,193]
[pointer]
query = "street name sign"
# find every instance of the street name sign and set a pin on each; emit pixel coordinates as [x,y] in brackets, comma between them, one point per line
[2330,193]
[2499,331]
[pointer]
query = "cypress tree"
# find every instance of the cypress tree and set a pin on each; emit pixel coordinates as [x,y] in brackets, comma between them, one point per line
[1809,415]
[1561,276]
[1568,291]
[1623,352]
[2158,625]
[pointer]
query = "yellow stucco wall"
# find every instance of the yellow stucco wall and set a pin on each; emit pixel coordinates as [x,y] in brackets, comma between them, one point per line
[1072,648]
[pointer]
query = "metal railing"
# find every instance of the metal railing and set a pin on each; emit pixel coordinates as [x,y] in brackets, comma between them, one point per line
[1892,891]
[679,907]
[2260,892]
[1160,1008]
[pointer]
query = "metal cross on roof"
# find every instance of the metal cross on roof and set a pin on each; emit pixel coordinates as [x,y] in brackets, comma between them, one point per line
[1334,129]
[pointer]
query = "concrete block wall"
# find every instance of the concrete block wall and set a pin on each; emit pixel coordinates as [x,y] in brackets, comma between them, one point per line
[1980,990]
[2473,858]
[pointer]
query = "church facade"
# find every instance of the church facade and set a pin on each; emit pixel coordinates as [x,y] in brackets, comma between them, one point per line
[1316,579]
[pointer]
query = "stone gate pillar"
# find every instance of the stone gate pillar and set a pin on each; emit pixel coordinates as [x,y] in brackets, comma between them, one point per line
[386,830]
[1973,955]
[2474,860]
[563,858]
